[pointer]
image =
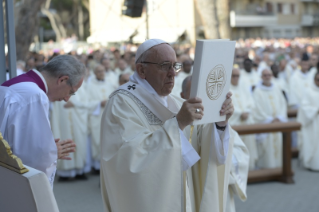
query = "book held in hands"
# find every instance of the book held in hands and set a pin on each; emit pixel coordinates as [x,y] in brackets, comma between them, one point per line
[211,76]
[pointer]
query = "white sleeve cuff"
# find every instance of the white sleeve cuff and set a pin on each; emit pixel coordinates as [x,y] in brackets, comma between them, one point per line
[189,154]
[221,145]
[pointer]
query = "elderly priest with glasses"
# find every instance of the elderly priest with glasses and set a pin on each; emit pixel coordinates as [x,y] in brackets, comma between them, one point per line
[147,161]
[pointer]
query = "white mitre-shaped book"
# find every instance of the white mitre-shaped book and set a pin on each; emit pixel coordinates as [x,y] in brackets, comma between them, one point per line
[211,76]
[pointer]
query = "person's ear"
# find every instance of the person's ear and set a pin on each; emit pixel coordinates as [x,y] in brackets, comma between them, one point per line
[63,79]
[141,70]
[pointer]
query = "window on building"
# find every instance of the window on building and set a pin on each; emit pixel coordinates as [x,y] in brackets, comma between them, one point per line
[286,9]
[269,7]
[279,8]
[292,8]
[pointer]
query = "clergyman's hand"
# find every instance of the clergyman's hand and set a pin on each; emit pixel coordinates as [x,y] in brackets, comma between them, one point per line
[227,109]
[65,148]
[187,114]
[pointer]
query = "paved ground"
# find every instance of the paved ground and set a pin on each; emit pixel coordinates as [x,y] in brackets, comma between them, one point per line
[303,196]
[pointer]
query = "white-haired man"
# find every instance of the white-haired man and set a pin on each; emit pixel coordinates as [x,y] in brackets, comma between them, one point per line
[24,112]
[144,144]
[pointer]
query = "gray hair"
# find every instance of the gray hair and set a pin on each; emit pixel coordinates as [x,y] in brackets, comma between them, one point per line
[65,65]
[184,84]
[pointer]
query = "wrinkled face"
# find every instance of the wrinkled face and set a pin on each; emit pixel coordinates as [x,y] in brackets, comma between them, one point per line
[317,80]
[235,76]
[266,77]
[162,81]
[62,90]
[99,72]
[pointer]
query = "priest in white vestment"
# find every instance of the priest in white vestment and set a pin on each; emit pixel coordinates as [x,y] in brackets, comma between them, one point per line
[24,112]
[249,78]
[243,105]
[98,91]
[299,82]
[270,107]
[240,158]
[110,75]
[147,162]
[308,116]
[70,121]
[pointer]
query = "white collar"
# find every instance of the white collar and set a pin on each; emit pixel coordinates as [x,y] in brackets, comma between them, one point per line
[263,87]
[142,82]
[44,82]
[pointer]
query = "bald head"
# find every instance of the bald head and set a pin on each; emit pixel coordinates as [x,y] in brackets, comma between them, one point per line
[186,87]
[266,76]
[235,76]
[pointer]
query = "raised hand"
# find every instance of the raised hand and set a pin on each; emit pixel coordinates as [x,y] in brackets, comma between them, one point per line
[187,114]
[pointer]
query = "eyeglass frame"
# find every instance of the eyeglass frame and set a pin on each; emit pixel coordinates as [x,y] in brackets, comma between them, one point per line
[161,64]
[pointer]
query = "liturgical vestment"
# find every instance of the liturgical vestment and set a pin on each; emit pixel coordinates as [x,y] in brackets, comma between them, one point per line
[270,104]
[98,91]
[72,123]
[243,103]
[24,121]
[308,116]
[238,172]
[142,159]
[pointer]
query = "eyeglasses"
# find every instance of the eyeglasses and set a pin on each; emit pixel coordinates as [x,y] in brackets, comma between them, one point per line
[166,66]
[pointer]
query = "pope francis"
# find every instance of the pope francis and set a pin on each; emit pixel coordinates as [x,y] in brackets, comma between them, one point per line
[147,163]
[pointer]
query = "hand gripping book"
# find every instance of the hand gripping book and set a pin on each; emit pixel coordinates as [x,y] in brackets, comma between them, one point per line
[211,76]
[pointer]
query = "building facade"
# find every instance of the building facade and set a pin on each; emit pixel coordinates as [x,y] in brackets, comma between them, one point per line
[175,19]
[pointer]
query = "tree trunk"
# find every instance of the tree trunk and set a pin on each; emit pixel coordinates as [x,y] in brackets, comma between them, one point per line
[215,18]
[207,10]
[223,17]
[27,26]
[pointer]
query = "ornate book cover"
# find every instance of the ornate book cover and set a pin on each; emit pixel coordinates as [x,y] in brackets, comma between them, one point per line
[211,76]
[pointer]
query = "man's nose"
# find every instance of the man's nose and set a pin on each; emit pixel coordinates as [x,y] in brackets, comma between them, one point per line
[172,71]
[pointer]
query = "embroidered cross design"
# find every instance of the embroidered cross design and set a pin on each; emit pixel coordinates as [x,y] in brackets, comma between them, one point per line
[131,87]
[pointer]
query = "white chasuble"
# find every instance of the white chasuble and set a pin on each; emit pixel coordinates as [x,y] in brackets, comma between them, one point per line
[243,103]
[298,83]
[142,158]
[238,173]
[308,116]
[249,79]
[270,103]
[72,123]
[98,91]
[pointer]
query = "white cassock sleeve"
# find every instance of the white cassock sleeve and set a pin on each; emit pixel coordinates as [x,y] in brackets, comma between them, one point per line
[29,134]
[221,141]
